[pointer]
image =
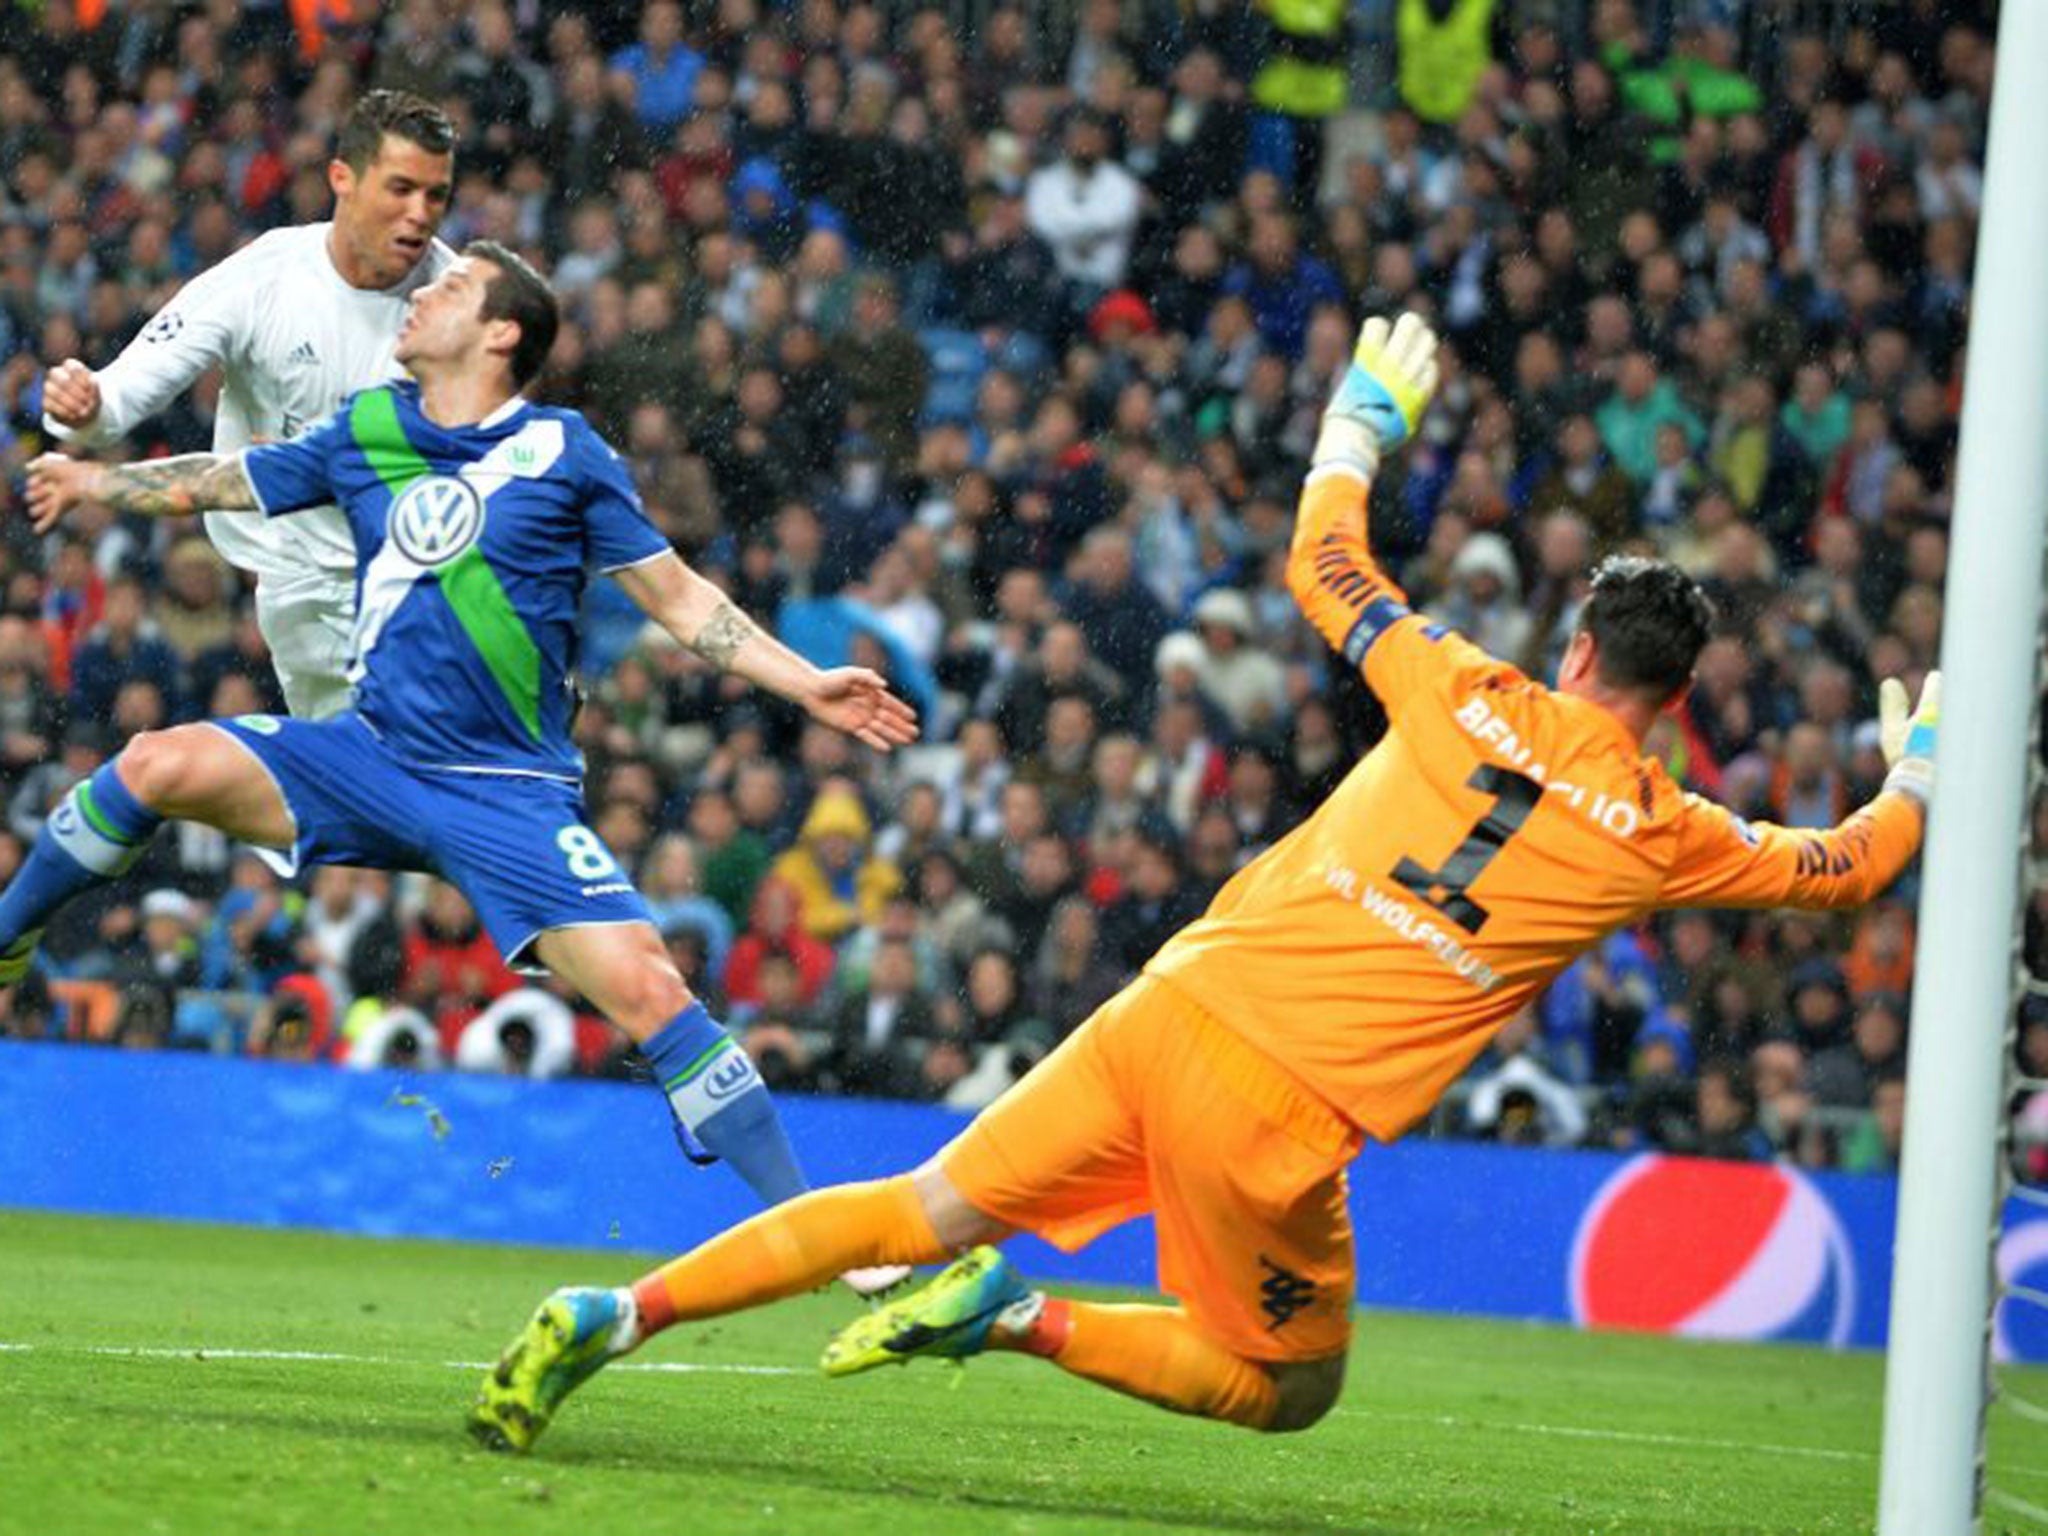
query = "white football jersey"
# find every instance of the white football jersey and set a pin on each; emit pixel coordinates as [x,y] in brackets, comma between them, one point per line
[293,340]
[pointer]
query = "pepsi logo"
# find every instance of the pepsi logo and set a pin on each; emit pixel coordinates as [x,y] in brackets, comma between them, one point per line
[1713,1250]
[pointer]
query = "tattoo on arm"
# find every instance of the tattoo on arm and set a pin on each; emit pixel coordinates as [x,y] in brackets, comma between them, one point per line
[192,482]
[719,641]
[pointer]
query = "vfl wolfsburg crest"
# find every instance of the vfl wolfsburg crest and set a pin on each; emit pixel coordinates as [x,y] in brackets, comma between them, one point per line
[435,519]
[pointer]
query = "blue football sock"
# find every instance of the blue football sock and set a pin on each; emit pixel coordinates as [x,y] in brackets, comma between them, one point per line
[96,832]
[720,1102]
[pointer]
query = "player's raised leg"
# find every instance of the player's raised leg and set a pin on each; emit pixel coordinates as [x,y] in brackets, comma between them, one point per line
[782,1252]
[1066,1154]
[1242,1170]
[1160,1354]
[100,828]
[1156,1353]
[718,1098]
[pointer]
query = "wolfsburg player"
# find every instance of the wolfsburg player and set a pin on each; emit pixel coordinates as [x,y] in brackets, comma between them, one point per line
[297,320]
[474,516]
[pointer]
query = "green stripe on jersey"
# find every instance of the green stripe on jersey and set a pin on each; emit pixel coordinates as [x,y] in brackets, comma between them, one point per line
[373,420]
[496,630]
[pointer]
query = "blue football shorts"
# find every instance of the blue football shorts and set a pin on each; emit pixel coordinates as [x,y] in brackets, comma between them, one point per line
[518,847]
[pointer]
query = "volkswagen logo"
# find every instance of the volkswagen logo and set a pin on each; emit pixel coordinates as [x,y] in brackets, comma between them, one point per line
[436,519]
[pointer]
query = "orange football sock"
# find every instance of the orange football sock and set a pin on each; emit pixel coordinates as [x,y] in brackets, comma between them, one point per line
[1154,1353]
[797,1246]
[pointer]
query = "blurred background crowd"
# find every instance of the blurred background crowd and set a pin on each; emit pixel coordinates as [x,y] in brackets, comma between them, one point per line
[986,345]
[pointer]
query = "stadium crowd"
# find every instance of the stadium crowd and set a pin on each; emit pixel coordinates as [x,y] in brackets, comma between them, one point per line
[997,367]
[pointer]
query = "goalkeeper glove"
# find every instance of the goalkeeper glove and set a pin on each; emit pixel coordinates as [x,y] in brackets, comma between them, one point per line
[1908,736]
[1385,390]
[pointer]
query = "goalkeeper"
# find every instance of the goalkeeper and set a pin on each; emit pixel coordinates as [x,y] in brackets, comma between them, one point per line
[1331,992]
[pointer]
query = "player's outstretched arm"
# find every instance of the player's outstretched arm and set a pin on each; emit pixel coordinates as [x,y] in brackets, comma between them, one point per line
[704,619]
[198,329]
[1330,568]
[1725,862]
[178,487]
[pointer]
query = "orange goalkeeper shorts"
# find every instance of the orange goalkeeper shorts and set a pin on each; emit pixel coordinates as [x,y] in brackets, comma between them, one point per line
[1154,1107]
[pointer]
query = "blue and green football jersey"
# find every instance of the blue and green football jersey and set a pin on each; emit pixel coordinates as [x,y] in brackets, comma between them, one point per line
[472,548]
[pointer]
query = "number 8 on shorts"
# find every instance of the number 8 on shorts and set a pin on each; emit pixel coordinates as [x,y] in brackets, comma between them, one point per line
[588,857]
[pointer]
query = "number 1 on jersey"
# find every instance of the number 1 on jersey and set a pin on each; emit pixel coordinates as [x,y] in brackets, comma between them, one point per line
[1515,796]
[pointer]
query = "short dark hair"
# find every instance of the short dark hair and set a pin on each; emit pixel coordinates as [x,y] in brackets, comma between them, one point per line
[1649,622]
[522,295]
[412,118]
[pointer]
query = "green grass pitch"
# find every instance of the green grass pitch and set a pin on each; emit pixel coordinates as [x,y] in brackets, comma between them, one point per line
[170,1378]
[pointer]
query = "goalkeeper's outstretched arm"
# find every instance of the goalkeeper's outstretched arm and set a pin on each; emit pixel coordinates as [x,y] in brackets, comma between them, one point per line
[1330,568]
[1725,862]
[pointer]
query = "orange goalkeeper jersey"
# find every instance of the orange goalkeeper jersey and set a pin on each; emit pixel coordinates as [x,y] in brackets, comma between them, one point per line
[1497,831]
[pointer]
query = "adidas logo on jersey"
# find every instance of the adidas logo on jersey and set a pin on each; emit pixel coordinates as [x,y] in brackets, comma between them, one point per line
[303,353]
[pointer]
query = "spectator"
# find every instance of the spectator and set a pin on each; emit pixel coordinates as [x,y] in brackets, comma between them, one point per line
[675,898]
[296,1023]
[123,647]
[343,904]
[1283,284]
[1594,1014]
[1880,957]
[886,1038]
[658,75]
[1115,614]
[1848,1075]
[1233,671]
[1876,1144]
[1778,1069]
[775,1032]
[1003,278]
[451,969]
[998,1021]
[775,927]
[884,371]
[733,858]
[1818,997]
[1085,206]
[837,879]
[193,614]
[1584,479]
[1071,976]
[1515,1099]
[1484,600]
[1725,1115]
[1155,904]
[1628,420]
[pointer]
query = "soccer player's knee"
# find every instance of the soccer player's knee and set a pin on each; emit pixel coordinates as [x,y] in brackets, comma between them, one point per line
[650,996]
[155,766]
[1309,1389]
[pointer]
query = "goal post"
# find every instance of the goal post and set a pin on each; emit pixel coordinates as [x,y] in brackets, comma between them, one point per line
[1936,1379]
